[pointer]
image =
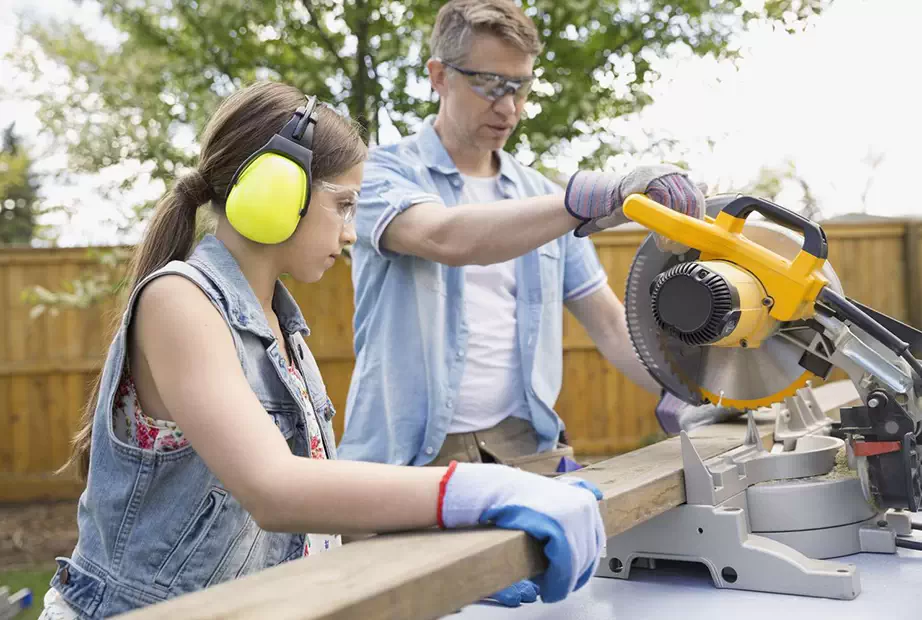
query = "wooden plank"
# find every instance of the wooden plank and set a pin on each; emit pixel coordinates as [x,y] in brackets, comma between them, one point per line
[6,424]
[53,366]
[428,574]
[69,332]
[19,424]
[38,488]
[52,256]
[41,420]
[58,411]
[913,274]
[17,316]
[894,230]
[6,325]
[586,448]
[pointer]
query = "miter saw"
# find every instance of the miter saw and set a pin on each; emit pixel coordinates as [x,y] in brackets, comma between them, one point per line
[745,320]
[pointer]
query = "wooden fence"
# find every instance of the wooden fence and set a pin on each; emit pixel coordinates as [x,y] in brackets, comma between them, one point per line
[48,363]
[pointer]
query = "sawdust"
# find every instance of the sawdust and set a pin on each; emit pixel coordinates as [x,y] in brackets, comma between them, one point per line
[841,469]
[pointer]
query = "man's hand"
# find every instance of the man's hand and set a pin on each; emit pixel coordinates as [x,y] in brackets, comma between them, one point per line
[675,415]
[596,198]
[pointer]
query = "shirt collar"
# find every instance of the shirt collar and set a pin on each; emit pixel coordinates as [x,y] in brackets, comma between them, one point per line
[436,157]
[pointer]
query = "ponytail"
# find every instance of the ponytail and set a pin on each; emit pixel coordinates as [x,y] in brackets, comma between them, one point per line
[171,233]
[241,125]
[170,236]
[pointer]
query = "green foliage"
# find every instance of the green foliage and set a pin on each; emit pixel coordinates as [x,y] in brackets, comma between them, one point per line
[176,58]
[19,186]
[106,277]
[147,96]
[771,182]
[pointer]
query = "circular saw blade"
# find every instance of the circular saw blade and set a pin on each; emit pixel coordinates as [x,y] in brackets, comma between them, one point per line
[735,377]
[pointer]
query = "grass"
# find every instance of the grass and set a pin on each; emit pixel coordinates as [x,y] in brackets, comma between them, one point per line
[36,579]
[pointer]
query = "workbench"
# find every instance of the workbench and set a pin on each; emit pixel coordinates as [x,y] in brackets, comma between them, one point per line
[890,588]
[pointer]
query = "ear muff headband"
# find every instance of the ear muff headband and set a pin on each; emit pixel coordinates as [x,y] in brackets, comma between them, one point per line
[271,190]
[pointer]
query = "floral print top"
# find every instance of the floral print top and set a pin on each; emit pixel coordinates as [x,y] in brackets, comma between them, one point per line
[137,429]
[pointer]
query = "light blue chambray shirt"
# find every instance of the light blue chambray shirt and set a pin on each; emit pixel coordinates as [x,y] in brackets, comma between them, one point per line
[410,328]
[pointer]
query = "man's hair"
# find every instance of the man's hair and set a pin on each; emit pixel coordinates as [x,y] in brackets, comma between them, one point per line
[459,20]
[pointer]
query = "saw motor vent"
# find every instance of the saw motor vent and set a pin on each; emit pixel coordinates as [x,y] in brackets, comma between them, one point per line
[692,302]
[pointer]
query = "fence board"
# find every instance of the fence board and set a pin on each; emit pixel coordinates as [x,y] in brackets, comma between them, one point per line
[48,364]
[19,422]
[6,424]
[6,323]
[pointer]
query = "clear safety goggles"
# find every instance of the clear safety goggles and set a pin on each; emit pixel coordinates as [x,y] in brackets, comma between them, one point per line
[493,86]
[345,199]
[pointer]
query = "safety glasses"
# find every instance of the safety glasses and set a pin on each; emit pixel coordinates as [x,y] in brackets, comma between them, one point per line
[492,86]
[345,199]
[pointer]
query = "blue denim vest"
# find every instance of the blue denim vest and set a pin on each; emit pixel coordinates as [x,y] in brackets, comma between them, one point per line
[156,525]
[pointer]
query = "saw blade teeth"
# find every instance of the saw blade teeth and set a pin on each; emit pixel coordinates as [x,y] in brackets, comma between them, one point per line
[634,297]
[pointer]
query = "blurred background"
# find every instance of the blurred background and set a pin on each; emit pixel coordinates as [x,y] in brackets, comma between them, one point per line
[811,103]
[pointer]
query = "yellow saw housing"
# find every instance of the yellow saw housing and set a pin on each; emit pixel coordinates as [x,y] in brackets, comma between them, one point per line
[738,292]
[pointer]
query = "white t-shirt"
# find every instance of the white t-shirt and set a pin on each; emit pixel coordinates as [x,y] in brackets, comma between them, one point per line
[491,387]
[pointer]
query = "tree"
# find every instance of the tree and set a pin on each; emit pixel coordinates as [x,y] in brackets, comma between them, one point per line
[177,57]
[771,182]
[18,192]
[142,97]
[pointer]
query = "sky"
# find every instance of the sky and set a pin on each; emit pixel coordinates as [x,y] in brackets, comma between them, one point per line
[830,101]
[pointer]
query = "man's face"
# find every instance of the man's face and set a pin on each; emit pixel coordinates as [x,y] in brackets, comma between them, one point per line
[474,118]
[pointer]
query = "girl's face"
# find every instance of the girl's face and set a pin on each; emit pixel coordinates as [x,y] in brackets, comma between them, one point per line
[326,228]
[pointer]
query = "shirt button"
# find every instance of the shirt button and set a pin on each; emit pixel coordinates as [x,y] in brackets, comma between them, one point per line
[449,403]
[460,353]
[429,450]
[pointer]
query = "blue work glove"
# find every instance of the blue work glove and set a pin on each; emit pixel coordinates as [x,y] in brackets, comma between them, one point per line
[561,513]
[524,591]
[596,198]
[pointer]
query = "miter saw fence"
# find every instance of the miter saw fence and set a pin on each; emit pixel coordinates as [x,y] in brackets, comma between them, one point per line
[753,311]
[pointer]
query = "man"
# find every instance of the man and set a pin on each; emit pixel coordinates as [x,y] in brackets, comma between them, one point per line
[465,260]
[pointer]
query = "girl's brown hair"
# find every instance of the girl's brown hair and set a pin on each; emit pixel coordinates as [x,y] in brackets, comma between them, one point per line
[242,124]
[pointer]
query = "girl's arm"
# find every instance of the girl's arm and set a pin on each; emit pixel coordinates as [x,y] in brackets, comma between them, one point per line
[193,363]
[194,368]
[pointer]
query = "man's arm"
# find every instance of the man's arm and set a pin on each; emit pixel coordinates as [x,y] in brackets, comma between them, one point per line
[602,314]
[478,234]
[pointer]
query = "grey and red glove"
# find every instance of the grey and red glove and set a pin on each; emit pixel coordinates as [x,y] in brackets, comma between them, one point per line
[675,415]
[596,198]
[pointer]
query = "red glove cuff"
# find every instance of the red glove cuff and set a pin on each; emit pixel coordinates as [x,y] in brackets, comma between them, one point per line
[443,485]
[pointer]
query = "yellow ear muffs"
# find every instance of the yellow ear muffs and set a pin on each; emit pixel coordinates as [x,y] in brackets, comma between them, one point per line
[265,205]
[270,191]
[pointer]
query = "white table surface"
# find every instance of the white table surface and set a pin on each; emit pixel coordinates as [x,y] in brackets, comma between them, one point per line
[891,587]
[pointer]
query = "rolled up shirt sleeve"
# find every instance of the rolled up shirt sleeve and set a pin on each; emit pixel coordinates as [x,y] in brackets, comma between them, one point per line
[583,273]
[388,189]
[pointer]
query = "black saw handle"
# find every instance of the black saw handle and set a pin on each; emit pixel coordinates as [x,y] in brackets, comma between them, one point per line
[815,242]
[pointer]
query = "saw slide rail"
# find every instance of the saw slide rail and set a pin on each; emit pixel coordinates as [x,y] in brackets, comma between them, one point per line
[430,574]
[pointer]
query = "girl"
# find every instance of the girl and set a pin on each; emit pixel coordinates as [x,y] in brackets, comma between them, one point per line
[208,450]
